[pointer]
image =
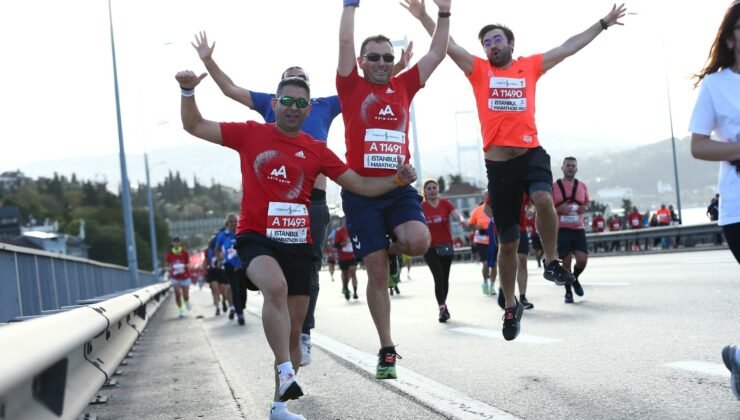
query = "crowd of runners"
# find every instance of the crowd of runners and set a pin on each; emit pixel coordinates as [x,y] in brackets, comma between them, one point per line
[275,244]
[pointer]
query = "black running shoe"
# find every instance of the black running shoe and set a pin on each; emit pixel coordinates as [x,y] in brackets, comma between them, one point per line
[501,298]
[577,288]
[345,292]
[511,318]
[224,307]
[444,314]
[568,298]
[557,274]
[526,304]
[398,292]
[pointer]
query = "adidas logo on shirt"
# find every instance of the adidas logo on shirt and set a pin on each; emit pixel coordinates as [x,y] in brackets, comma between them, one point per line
[300,154]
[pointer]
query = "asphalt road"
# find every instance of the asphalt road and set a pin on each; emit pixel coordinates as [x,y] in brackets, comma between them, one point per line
[644,342]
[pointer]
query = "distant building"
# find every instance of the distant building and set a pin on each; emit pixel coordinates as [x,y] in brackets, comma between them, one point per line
[196,231]
[465,197]
[11,180]
[10,221]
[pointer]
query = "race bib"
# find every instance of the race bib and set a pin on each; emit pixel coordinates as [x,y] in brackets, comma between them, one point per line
[287,223]
[507,94]
[569,219]
[178,268]
[479,237]
[347,247]
[383,147]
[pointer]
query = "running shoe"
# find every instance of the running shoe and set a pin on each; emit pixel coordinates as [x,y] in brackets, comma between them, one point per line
[181,314]
[555,272]
[501,299]
[729,356]
[231,314]
[398,292]
[289,388]
[568,298]
[391,292]
[305,349]
[577,288]
[444,314]
[386,368]
[345,292]
[240,319]
[511,318]
[284,414]
[526,304]
[484,288]
[355,297]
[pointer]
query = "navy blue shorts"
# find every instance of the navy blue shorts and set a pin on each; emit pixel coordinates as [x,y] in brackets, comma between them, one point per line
[370,221]
[523,244]
[570,241]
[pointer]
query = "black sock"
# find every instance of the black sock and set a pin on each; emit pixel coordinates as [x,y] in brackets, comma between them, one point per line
[522,297]
[577,271]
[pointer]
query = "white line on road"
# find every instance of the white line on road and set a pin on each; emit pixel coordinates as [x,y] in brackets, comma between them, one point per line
[522,338]
[701,367]
[443,399]
[587,284]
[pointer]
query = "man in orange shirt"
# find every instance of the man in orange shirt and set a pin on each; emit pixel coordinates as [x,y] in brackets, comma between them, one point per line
[479,222]
[504,91]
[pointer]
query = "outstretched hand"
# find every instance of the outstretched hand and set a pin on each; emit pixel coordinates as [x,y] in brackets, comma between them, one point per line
[406,173]
[201,45]
[415,7]
[188,80]
[612,18]
[406,55]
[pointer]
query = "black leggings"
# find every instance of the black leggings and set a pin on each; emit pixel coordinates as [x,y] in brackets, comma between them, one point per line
[732,234]
[440,268]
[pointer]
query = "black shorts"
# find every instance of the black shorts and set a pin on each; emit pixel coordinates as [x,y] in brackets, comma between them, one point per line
[212,274]
[507,181]
[523,244]
[296,260]
[346,264]
[571,240]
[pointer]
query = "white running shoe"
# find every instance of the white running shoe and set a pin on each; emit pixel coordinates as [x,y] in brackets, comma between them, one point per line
[305,349]
[289,388]
[188,305]
[284,414]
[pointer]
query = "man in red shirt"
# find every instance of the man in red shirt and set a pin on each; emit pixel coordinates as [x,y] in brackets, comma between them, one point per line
[376,109]
[615,225]
[571,201]
[598,224]
[634,221]
[504,91]
[279,165]
[178,261]
[347,260]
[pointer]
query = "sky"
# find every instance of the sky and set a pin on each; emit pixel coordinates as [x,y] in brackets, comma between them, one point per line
[58,102]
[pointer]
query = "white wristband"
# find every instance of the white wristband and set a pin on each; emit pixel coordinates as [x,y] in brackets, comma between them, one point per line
[186,92]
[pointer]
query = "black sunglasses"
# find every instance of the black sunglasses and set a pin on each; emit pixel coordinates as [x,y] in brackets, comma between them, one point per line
[388,58]
[288,101]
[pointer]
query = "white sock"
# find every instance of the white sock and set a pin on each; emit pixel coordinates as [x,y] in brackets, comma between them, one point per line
[279,405]
[285,368]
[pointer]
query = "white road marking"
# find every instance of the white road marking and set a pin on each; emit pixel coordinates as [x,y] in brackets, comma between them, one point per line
[718,369]
[585,284]
[443,399]
[522,338]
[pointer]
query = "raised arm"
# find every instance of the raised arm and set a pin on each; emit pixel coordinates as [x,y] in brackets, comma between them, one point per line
[376,186]
[438,46]
[577,42]
[192,121]
[458,54]
[347,38]
[224,82]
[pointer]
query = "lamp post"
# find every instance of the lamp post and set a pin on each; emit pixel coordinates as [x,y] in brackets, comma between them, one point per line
[150,204]
[673,146]
[128,223]
[404,43]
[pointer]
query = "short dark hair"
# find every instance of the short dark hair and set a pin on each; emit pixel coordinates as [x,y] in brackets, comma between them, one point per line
[374,38]
[282,76]
[570,158]
[293,81]
[507,32]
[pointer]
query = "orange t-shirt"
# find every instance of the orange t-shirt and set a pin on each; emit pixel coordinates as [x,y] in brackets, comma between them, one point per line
[505,101]
[480,220]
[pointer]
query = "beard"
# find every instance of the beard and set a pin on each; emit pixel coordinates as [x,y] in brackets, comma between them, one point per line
[502,59]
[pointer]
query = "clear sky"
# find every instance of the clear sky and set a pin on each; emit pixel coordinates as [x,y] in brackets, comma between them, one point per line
[57,98]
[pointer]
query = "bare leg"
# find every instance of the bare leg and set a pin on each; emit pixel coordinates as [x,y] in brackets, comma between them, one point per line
[547,223]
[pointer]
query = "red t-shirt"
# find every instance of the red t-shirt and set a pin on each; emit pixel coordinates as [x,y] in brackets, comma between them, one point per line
[634,220]
[438,221]
[599,224]
[178,263]
[376,120]
[278,173]
[615,224]
[344,245]
[505,101]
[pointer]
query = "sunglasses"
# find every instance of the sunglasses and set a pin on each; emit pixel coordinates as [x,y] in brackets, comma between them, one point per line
[374,57]
[497,39]
[288,101]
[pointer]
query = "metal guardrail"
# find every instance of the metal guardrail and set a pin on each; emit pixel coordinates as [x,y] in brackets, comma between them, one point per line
[689,236]
[52,366]
[33,281]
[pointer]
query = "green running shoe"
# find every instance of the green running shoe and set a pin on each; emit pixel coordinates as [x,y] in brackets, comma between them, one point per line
[386,368]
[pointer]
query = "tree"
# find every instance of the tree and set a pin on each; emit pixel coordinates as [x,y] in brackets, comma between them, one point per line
[627,205]
[455,178]
[442,184]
